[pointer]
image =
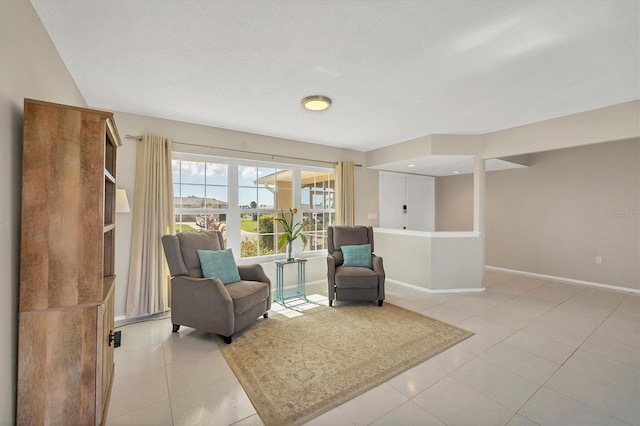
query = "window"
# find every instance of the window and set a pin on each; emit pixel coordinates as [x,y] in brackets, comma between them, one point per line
[242,199]
[201,194]
[317,206]
[262,193]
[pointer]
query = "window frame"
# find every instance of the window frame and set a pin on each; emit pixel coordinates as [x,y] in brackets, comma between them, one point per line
[259,210]
[199,211]
[318,211]
[233,211]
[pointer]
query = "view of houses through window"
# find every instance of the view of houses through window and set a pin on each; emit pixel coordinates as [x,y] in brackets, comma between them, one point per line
[242,199]
[317,206]
[262,193]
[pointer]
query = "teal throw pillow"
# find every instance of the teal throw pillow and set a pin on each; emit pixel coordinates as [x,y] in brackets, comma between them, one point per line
[219,264]
[359,255]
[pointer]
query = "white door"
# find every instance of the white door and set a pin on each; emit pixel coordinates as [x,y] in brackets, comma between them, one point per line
[393,196]
[420,208]
[406,201]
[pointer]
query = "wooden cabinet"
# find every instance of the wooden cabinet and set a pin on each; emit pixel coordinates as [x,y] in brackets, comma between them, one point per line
[66,312]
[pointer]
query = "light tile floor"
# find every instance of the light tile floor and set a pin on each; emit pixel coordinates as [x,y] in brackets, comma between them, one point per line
[544,352]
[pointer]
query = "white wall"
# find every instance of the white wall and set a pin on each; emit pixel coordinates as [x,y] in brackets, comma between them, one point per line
[31,68]
[454,203]
[125,179]
[432,260]
[215,141]
[617,122]
[367,202]
[557,215]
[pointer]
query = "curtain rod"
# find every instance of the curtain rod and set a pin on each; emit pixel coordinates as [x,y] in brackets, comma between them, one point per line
[139,138]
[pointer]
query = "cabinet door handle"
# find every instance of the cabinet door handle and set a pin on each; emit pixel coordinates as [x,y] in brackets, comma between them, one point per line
[115,338]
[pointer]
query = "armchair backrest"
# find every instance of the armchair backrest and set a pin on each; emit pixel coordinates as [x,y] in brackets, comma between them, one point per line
[181,250]
[338,236]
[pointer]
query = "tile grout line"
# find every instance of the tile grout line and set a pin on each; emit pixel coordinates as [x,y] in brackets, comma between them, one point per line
[517,412]
[565,361]
[166,376]
[563,304]
[448,375]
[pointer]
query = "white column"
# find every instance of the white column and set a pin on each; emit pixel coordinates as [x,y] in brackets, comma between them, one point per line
[479,203]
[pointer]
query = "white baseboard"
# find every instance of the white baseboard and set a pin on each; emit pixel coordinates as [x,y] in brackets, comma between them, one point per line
[139,318]
[294,286]
[569,280]
[316,282]
[437,291]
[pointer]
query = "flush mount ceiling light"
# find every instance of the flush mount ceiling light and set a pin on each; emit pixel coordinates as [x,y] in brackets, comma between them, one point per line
[411,165]
[316,103]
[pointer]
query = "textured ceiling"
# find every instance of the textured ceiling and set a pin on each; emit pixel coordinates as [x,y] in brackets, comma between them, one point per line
[396,70]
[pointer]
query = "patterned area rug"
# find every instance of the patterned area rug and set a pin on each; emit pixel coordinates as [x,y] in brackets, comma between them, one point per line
[294,369]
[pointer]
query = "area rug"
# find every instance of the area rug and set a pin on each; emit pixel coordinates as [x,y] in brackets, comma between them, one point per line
[294,369]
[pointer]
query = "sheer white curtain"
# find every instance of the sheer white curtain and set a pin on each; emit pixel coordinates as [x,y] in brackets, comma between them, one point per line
[152,218]
[345,193]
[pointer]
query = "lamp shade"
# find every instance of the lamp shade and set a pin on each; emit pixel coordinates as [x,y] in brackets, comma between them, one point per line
[122,203]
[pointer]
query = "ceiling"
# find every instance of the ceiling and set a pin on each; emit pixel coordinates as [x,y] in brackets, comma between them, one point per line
[446,165]
[396,70]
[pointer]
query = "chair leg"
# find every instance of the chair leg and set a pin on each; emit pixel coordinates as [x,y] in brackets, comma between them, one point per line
[176,327]
[266,315]
[227,340]
[330,302]
[380,302]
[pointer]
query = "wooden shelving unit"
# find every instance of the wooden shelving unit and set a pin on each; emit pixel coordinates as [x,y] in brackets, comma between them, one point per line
[66,312]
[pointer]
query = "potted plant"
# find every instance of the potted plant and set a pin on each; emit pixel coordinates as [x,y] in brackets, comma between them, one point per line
[292,231]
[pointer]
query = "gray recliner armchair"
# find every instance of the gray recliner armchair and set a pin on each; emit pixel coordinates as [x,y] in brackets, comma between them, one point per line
[353,282]
[206,303]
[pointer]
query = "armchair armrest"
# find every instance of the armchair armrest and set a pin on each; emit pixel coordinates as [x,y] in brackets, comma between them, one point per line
[202,303]
[253,272]
[378,268]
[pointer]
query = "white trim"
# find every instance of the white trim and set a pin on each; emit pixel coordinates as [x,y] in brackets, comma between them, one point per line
[135,320]
[295,285]
[438,291]
[139,317]
[316,282]
[570,280]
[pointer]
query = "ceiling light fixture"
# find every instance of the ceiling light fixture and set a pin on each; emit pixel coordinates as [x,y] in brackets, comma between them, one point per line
[316,103]
[411,165]
[456,172]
